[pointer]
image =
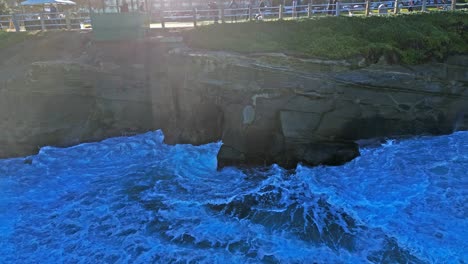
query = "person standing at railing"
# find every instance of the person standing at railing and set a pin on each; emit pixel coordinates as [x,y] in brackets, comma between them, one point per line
[141,7]
[124,7]
[214,6]
[443,4]
[331,7]
[53,11]
[261,10]
[52,16]
[410,6]
[233,5]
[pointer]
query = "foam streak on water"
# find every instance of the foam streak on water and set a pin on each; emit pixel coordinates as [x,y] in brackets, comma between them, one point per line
[137,200]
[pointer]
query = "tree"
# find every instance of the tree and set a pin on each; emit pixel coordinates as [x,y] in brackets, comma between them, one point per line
[4,9]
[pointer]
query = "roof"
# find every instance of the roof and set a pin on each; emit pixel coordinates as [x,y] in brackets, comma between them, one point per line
[42,2]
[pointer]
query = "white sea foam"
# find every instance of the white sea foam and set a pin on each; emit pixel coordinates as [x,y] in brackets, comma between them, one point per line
[135,199]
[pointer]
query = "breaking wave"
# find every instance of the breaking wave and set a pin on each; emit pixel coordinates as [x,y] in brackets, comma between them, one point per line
[137,200]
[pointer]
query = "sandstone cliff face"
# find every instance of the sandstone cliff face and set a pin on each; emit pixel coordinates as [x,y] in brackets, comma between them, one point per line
[270,108]
[266,108]
[59,91]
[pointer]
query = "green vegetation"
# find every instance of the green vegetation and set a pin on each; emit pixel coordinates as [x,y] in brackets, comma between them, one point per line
[9,39]
[408,39]
[4,9]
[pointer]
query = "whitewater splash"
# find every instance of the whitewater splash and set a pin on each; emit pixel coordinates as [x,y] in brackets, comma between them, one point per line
[137,200]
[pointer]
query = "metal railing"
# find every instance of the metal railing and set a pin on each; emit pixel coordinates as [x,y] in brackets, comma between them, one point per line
[44,21]
[5,21]
[195,17]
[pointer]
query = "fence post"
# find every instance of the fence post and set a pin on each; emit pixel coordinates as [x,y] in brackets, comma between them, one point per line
[250,13]
[194,17]
[43,28]
[309,10]
[280,12]
[222,14]
[367,7]
[454,5]
[67,19]
[337,8]
[423,8]
[396,9]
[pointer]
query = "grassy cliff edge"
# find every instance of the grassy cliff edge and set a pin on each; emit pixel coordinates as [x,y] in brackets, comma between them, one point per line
[8,39]
[407,39]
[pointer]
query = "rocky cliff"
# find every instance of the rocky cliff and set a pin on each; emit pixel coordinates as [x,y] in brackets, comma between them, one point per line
[266,108]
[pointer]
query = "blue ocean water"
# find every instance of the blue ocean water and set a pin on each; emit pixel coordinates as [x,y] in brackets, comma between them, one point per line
[137,200]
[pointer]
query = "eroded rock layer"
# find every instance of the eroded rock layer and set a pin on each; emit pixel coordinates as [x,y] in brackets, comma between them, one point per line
[266,108]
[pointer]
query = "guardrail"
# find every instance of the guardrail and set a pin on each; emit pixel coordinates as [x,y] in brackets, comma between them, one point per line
[195,17]
[44,21]
[5,21]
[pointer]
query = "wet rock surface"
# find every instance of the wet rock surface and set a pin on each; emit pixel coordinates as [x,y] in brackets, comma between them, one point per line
[266,108]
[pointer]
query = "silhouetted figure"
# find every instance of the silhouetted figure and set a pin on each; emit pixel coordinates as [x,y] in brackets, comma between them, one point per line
[124,7]
[53,11]
[214,6]
[331,7]
[411,6]
[233,5]
[261,8]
